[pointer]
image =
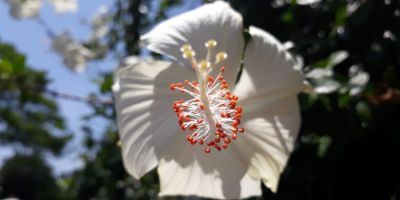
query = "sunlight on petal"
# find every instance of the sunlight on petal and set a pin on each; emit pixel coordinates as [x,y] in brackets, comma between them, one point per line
[268,69]
[271,131]
[188,171]
[146,124]
[217,21]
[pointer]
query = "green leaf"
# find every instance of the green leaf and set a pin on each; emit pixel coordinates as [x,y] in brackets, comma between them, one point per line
[364,111]
[19,63]
[287,17]
[5,67]
[340,16]
[344,100]
[324,143]
[106,84]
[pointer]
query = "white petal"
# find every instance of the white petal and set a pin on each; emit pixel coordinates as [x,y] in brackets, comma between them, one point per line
[216,21]
[147,123]
[267,92]
[25,9]
[268,69]
[62,6]
[187,170]
[260,154]
[271,128]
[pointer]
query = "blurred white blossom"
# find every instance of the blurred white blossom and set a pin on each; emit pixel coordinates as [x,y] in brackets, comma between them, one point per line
[307,2]
[24,8]
[21,9]
[322,78]
[74,54]
[352,6]
[358,79]
[63,6]
[389,35]
[280,3]
[100,23]
[324,83]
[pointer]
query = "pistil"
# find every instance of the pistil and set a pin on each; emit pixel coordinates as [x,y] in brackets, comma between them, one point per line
[211,114]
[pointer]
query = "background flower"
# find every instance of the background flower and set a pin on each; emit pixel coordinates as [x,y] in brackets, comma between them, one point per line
[74,54]
[63,6]
[30,8]
[24,9]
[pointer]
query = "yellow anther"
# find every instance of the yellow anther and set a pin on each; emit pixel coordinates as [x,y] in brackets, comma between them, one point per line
[188,54]
[211,44]
[204,65]
[186,47]
[221,56]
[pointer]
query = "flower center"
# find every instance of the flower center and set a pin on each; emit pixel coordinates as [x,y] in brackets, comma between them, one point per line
[211,113]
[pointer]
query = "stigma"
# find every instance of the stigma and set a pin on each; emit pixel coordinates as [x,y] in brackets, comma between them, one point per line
[210,113]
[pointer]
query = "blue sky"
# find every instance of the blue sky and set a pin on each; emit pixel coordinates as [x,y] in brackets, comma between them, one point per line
[30,38]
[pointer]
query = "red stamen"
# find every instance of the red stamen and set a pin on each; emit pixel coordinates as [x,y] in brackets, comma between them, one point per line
[234,136]
[227,140]
[172,86]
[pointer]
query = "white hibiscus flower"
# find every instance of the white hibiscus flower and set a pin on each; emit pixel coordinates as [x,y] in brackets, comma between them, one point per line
[215,159]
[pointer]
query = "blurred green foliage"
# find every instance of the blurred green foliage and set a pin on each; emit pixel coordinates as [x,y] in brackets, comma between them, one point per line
[31,126]
[28,117]
[28,177]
